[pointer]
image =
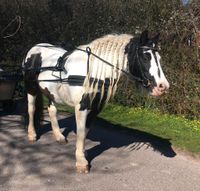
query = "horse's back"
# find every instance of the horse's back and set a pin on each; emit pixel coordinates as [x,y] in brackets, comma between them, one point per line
[47,54]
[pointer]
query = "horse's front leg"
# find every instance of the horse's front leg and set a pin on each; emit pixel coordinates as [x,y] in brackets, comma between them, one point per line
[81,162]
[54,123]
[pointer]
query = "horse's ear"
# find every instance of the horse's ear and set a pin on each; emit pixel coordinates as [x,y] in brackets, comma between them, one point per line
[129,46]
[155,39]
[144,37]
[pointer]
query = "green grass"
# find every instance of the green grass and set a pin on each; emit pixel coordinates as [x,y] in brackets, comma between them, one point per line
[182,133]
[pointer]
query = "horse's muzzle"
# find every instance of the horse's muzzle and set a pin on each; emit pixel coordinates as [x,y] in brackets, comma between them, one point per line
[160,89]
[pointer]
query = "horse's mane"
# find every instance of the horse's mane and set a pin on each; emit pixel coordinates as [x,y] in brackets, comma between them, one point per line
[110,48]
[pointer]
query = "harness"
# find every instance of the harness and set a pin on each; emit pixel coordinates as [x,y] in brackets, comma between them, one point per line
[78,80]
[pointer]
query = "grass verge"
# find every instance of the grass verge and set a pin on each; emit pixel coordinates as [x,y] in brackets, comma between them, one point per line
[184,134]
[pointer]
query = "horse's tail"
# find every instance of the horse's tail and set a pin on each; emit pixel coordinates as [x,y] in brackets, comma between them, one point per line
[31,73]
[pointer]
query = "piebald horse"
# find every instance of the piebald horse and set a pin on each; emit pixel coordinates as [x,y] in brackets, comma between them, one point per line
[87,77]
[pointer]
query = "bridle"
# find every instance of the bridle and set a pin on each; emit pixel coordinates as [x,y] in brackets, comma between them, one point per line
[146,82]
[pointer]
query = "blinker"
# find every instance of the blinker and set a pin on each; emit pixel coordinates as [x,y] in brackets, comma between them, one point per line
[147,83]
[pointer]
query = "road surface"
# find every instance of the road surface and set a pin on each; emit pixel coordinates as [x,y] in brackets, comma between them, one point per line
[120,159]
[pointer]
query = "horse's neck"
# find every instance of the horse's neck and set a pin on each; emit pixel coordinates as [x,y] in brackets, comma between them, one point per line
[111,49]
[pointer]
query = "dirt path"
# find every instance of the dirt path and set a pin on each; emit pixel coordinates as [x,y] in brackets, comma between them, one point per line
[121,160]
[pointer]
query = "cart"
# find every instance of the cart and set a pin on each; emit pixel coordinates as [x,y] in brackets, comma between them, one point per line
[10,86]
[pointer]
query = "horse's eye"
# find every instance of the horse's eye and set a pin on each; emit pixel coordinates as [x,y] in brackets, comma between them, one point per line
[147,56]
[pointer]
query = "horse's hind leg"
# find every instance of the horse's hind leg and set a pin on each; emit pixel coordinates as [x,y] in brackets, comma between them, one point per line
[32,136]
[81,162]
[54,123]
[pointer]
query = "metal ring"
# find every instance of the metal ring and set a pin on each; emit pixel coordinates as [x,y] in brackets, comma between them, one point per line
[88,50]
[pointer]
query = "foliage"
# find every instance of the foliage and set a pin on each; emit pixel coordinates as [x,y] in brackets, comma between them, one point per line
[79,21]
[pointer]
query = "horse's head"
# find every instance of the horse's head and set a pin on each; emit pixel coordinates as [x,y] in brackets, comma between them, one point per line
[144,64]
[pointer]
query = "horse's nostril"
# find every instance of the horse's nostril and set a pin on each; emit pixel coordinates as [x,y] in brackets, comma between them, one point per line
[161,86]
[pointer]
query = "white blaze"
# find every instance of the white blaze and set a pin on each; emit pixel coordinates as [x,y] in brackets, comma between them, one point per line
[155,68]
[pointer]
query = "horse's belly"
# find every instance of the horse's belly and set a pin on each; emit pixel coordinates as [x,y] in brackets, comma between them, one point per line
[70,95]
[62,92]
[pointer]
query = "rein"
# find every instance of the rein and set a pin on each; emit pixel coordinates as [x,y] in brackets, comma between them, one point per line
[128,74]
[89,52]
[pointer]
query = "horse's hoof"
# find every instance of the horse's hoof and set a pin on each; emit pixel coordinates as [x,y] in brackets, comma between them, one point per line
[32,139]
[82,169]
[62,141]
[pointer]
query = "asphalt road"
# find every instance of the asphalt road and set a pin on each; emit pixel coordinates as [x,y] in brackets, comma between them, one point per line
[120,159]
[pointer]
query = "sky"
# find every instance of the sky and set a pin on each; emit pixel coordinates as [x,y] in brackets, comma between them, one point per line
[185,2]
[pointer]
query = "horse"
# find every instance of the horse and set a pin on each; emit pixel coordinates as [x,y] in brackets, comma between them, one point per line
[87,77]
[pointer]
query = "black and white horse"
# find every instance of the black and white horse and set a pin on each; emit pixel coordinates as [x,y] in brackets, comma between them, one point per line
[87,77]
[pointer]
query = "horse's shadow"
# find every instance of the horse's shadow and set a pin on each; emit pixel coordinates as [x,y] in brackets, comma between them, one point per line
[115,136]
